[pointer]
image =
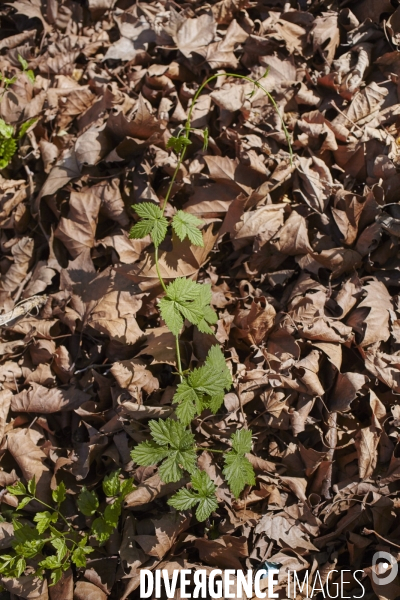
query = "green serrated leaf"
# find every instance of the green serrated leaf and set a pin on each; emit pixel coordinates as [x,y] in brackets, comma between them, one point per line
[189,403]
[126,487]
[79,555]
[59,544]
[20,567]
[30,548]
[43,520]
[101,530]
[153,223]
[172,442]
[178,143]
[111,484]
[18,489]
[159,231]
[32,486]
[141,229]
[7,564]
[24,502]
[59,494]
[24,533]
[88,502]
[241,441]
[186,225]
[55,576]
[238,472]
[6,131]
[186,299]
[206,507]
[203,494]
[112,513]
[204,387]
[50,562]
[8,148]
[148,453]
[184,499]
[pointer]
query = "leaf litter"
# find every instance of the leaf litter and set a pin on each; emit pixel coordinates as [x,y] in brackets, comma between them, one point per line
[300,257]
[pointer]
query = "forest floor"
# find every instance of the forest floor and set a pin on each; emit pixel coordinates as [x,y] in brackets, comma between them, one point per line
[302,255]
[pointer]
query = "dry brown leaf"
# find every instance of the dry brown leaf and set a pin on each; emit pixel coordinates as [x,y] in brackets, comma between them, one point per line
[23,446]
[224,552]
[88,591]
[22,252]
[42,400]
[133,376]
[78,230]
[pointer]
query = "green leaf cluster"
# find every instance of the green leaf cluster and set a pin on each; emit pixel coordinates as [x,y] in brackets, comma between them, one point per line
[203,388]
[8,137]
[52,541]
[186,225]
[172,445]
[8,144]
[201,495]
[178,143]
[154,223]
[238,470]
[186,299]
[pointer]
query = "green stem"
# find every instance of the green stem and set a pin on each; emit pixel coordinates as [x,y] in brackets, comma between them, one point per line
[158,270]
[54,510]
[257,84]
[200,449]
[178,166]
[178,357]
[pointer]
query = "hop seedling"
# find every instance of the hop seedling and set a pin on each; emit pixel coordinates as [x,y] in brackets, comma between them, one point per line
[172,444]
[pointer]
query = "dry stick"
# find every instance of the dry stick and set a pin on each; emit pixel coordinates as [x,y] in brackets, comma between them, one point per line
[23,308]
[331,441]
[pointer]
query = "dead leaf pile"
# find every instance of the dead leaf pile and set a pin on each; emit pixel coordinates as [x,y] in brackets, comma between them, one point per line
[303,257]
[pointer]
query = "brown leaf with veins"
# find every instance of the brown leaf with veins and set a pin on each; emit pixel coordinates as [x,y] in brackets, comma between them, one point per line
[27,586]
[77,231]
[166,530]
[346,389]
[22,252]
[367,438]
[42,400]
[133,375]
[112,315]
[254,324]
[23,446]
[191,35]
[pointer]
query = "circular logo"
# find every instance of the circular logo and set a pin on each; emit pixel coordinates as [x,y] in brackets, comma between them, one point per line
[389,560]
